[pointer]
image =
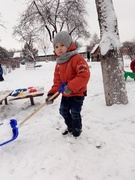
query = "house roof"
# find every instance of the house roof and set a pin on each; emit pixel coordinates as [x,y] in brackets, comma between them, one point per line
[82,49]
[94,48]
[17,54]
[50,51]
[47,52]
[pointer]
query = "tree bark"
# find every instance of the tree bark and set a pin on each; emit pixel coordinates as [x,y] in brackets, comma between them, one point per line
[113,79]
[112,66]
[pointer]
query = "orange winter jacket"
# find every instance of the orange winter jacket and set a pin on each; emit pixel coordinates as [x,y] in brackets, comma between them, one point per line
[75,73]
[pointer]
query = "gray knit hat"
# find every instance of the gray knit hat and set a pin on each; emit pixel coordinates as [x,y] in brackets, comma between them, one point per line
[63,37]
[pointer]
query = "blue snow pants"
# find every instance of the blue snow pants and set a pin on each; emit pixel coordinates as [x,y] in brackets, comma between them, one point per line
[70,109]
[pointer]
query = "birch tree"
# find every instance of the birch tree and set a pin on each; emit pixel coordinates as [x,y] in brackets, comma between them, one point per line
[112,65]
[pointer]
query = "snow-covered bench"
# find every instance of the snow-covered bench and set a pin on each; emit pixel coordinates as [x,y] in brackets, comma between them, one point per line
[4,94]
[29,93]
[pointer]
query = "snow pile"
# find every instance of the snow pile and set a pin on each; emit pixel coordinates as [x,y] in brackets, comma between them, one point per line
[104,151]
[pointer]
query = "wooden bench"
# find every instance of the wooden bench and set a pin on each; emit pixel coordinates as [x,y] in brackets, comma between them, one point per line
[27,94]
[31,95]
[4,94]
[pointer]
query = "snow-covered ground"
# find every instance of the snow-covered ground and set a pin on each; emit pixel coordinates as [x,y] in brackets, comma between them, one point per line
[104,151]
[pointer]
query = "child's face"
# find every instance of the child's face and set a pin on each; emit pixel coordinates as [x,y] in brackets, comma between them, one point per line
[60,49]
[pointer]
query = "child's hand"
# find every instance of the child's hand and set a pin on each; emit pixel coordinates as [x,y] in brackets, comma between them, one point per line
[49,101]
[67,90]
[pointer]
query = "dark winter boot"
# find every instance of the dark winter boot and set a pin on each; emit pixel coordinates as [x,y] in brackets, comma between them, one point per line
[68,130]
[76,132]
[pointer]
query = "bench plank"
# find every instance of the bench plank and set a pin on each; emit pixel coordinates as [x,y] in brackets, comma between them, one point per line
[4,94]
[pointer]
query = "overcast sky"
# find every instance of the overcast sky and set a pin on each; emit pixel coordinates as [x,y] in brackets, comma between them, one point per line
[125,12]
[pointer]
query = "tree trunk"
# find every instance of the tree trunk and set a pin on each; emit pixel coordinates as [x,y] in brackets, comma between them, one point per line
[112,66]
[113,79]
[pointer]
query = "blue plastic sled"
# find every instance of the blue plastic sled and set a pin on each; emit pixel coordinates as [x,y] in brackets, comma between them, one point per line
[13,124]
